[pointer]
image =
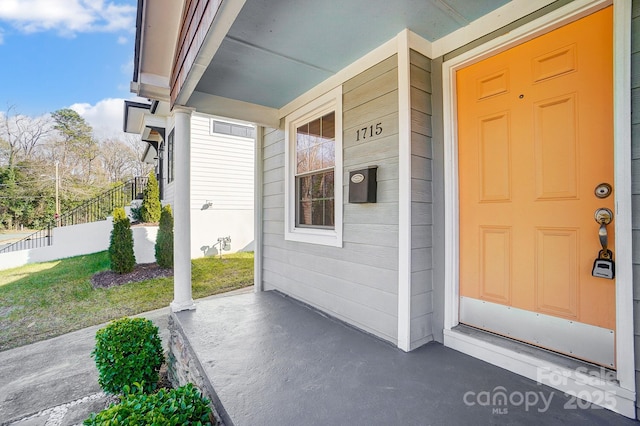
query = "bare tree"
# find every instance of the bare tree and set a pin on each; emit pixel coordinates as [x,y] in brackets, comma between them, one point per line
[140,168]
[22,134]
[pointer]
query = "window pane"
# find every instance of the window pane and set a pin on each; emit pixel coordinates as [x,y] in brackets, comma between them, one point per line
[328,154]
[329,126]
[304,188]
[314,128]
[302,159]
[302,137]
[304,213]
[329,213]
[317,190]
[318,213]
[315,157]
[328,185]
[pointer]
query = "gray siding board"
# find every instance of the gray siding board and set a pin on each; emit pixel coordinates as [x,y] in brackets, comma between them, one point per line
[422,282]
[372,111]
[421,197]
[421,260]
[419,80]
[274,213]
[358,282]
[312,273]
[419,60]
[270,176]
[272,188]
[421,100]
[421,145]
[367,319]
[421,191]
[421,122]
[635,142]
[384,83]
[421,326]
[391,63]
[635,182]
[385,213]
[420,168]
[389,121]
[333,280]
[362,234]
[421,236]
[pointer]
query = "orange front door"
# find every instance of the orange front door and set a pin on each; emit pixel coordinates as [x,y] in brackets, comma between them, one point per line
[535,139]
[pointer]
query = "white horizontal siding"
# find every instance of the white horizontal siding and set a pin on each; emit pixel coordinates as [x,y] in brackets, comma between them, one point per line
[222,168]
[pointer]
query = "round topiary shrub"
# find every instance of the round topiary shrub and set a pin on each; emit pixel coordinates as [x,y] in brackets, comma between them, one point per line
[121,254]
[128,351]
[164,240]
[182,406]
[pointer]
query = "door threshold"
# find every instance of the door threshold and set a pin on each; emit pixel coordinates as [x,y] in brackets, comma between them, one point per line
[595,384]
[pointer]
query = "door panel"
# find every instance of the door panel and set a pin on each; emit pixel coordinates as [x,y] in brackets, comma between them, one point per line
[535,135]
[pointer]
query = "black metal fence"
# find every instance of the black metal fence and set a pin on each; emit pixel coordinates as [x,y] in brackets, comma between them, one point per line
[93,210]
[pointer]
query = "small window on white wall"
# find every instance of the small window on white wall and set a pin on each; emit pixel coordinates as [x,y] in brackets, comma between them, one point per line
[313,186]
[170,150]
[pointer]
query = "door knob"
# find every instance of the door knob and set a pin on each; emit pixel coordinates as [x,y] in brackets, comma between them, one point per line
[603,216]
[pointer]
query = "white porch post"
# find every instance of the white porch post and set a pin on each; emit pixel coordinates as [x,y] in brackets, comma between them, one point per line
[182,298]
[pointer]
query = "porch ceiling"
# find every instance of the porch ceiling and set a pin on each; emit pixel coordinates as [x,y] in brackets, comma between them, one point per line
[277,50]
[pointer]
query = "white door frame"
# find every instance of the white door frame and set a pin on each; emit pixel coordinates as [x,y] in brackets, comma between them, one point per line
[620,395]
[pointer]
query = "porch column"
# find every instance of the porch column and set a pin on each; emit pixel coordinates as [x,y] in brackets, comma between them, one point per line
[182,298]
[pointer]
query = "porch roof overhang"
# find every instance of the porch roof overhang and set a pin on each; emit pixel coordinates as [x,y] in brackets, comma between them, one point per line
[157,27]
[148,121]
[257,56]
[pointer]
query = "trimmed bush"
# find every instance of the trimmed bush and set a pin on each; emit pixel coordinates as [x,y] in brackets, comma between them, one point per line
[182,406]
[121,244]
[164,240]
[128,351]
[150,208]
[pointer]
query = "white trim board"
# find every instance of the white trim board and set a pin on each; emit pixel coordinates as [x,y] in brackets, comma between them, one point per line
[624,295]
[404,192]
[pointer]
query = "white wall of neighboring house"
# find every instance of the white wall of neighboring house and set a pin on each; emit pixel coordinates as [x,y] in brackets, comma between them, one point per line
[83,239]
[222,167]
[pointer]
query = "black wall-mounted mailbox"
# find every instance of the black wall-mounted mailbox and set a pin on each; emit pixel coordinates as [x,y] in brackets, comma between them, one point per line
[363,185]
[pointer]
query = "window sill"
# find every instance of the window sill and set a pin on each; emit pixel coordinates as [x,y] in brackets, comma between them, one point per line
[314,236]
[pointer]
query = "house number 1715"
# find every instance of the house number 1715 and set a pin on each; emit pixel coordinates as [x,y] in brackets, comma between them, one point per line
[369,132]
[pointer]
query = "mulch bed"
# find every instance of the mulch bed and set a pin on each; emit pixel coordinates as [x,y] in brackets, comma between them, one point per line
[141,272]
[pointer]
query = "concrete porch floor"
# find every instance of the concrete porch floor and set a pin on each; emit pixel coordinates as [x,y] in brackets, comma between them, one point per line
[271,360]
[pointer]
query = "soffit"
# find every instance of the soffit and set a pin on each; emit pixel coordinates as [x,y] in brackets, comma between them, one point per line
[278,49]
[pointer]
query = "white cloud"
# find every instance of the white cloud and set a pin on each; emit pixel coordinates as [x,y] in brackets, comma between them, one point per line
[106,117]
[123,40]
[68,17]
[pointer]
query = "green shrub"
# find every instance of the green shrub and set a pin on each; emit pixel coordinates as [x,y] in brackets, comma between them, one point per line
[182,406]
[150,208]
[135,213]
[127,351]
[121,244]
[164,240]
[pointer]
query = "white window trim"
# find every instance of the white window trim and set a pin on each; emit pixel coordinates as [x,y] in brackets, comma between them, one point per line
[331,101]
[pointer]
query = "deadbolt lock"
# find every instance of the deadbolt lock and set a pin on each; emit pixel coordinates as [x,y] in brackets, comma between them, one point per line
[603,190]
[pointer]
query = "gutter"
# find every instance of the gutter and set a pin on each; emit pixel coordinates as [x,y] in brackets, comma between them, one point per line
[136,53]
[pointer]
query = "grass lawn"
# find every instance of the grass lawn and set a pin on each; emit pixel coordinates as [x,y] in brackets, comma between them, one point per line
[44,300]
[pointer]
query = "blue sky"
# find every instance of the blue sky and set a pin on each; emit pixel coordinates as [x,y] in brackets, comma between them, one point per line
[67,53]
